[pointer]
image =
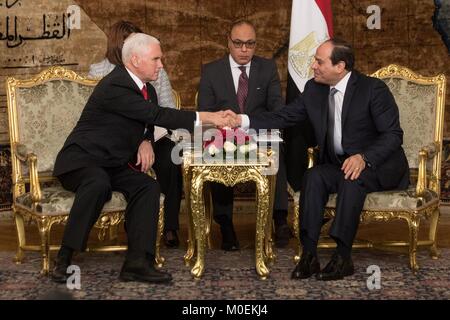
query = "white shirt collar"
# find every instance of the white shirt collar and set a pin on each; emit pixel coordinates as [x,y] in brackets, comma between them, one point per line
[234,64]
[341,86]
[135,78]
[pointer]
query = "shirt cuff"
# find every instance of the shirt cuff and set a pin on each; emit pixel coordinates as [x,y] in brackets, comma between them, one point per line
[245,122]
[197,119]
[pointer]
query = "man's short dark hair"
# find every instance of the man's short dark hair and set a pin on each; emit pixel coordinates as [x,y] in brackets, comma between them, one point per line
[240,23]
[342,51]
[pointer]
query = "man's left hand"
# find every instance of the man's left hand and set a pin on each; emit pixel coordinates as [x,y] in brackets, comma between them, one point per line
[353,166]
[145,156]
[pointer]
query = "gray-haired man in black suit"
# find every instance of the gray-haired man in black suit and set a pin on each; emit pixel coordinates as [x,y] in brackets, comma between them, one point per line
[101,152]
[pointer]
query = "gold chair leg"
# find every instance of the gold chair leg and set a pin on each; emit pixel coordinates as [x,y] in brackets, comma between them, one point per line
[159,260]
[296,227]
[44,226]
[21,239]
[413,224]
[114,232]
[434,252]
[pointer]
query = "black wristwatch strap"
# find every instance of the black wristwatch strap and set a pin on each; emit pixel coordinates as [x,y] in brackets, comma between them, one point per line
[363,156]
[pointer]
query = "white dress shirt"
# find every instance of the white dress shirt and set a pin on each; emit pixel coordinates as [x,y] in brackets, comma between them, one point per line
[341,86]
[236,72]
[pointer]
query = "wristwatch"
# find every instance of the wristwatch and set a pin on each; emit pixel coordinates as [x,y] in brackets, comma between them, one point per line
[363,156]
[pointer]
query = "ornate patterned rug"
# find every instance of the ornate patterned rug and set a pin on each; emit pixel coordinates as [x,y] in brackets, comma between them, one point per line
[445,176]
[232,276]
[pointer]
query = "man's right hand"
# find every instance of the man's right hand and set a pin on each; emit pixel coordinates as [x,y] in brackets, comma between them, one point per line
[235,119]
[220,119]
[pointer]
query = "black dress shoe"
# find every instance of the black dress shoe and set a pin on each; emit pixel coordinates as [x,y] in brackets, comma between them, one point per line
[336,269]
[282,235]
[59,273]
[306,267]
[143,271]
[229,240]
[170,238]
[230,246]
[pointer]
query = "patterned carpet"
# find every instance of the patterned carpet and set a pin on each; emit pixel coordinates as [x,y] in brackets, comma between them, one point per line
[232,276]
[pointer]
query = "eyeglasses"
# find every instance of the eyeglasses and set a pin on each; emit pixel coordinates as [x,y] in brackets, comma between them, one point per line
[250,44]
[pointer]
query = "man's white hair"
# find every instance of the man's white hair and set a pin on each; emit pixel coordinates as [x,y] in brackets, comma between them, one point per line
[136,43]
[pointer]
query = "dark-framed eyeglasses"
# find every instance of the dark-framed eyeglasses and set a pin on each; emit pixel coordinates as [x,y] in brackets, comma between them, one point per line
[250,44]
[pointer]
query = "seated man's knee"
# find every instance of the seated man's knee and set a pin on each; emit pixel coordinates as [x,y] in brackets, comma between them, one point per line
[96,185]
[151,185]
[312,175]
[353,185]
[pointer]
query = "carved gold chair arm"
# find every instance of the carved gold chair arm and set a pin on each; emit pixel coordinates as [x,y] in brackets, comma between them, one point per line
[312,156]
[291,191]
[432,149]
[24,155]
[21,152]
[151,172]
[425,153]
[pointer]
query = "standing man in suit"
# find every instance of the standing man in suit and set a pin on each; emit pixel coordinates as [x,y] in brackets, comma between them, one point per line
[356,123]
[248,84]
[96,159]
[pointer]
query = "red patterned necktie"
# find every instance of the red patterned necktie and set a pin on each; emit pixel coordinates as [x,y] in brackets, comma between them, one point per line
[144,92]
[242,90]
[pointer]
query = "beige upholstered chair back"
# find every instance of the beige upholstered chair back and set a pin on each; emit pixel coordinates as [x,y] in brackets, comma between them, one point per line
[43,111]
[421,105]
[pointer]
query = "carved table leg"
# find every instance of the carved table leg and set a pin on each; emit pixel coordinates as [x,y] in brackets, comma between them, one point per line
[198,215]
[262,187]
[187,199]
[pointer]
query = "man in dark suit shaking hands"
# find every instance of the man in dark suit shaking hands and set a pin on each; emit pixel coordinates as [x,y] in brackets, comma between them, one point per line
[99,157]
[243,83]
[356,123]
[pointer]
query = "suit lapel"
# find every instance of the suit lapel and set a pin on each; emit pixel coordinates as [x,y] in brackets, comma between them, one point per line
[125,79]
[351,86]
[152,93]
[323,112]
[229,83]
[252,83]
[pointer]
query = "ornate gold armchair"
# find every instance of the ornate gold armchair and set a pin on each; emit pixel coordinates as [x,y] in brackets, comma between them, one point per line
[176,99]
[42,111]
[421,104]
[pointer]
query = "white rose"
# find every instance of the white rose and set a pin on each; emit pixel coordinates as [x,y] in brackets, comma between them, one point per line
[245,148]
[229,146]
[252,146]
[212,150]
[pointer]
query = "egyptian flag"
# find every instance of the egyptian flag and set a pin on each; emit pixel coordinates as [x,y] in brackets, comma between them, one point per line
[311,24]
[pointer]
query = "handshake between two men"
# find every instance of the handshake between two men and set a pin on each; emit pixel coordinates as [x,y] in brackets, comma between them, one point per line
[221,119]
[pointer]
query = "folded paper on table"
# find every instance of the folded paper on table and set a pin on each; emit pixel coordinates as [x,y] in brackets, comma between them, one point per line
[270,136]
[159,133]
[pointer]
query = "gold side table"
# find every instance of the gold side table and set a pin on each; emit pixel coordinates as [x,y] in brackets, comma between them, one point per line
[196,173]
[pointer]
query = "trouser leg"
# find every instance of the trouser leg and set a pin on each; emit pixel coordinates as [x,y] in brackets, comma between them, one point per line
[170,180]
[92,189]
[142,194]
